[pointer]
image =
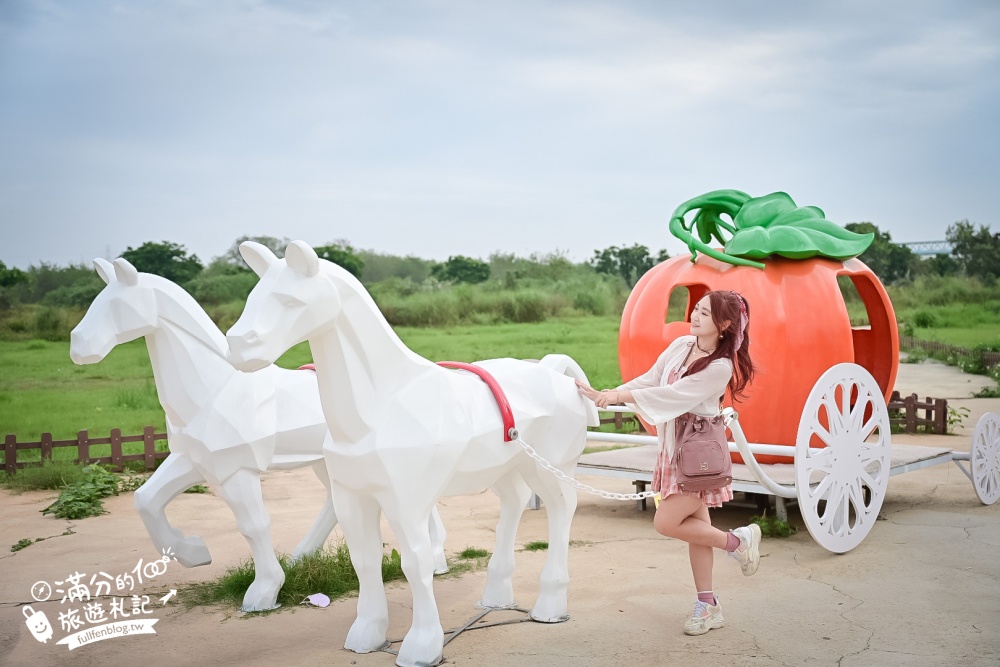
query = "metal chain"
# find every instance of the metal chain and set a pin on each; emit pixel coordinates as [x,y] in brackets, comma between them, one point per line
[610,495]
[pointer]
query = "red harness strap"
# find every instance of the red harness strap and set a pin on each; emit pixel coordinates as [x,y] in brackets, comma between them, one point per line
[509,431]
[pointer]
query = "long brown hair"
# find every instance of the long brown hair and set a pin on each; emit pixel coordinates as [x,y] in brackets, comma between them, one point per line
[732,308]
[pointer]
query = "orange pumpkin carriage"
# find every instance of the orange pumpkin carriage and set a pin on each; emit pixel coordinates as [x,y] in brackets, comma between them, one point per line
[817,407]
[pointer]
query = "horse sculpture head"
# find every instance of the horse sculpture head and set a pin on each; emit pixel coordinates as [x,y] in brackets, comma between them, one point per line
[293,301]
[120,313]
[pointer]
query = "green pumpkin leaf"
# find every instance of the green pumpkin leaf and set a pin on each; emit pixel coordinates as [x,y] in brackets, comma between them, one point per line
[762,226]
[797,241]
[761,211]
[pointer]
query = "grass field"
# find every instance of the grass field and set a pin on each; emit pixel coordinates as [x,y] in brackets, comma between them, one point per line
[42,390]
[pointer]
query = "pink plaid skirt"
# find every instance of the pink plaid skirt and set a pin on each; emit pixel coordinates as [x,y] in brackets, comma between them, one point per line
[663,482]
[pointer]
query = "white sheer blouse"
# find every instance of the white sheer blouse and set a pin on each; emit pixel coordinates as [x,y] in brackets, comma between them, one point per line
[659,403]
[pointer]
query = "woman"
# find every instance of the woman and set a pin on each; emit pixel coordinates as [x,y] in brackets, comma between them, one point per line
[692,375]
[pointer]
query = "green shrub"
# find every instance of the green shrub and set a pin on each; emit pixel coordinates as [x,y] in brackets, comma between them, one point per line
[51,324]
[218,289]
[924,319]
[50,475]
[522,306]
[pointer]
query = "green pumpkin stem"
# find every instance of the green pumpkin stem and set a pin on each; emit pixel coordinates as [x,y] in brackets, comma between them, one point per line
[711,205]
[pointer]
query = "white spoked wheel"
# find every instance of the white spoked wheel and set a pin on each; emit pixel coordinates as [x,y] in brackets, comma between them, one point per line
[841,486]
[986,458]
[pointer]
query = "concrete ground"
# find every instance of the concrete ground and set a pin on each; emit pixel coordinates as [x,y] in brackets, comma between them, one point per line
[922,589]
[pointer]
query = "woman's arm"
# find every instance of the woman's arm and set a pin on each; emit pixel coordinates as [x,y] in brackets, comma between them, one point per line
[654,376]
[660,404]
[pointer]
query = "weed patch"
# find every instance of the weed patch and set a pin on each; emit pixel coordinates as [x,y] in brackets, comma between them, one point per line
[772,526]
[471,553]
[537,545]
[85,496]
[21,544]
[326,570]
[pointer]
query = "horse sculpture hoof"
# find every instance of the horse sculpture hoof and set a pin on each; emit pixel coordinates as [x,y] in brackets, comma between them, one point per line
[421,648]
[262,595]
[192,552]
[365,636]
[548,619]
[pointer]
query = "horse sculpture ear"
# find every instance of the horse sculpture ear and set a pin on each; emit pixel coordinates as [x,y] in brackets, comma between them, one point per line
[258,257]
[104,269]
[125,272]
[302,258]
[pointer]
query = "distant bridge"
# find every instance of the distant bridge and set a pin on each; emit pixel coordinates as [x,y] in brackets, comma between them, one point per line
[929,247]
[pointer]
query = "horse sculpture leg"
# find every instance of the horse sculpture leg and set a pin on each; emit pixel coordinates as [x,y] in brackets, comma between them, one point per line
[242,493]
[324,523]
[499,590]
[424,642]
[359,521]
[437,532]
[560,505]
[175,475]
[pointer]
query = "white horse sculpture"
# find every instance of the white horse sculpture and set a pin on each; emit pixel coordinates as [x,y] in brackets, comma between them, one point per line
[224,427]
[406,431]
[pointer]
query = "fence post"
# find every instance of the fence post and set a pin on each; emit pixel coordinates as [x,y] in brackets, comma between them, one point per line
[82,448]
[149,447]
[911,413]
[46,448]
[941,416]
[10,453]
[116,449]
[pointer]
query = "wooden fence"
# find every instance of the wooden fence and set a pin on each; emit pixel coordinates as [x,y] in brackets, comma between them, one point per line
[935,417]
[988,359]
[83,443]
[619,420]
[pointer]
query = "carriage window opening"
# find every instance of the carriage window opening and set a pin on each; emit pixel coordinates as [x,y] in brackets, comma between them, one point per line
[857,311]
[677,307]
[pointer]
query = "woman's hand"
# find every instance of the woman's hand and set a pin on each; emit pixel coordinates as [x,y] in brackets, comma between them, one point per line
[601,399]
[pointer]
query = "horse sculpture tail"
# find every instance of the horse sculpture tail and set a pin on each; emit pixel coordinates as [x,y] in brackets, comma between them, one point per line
[566,365]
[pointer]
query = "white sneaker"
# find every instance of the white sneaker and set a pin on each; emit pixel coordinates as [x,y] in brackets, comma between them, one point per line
[748,553]
[706,617]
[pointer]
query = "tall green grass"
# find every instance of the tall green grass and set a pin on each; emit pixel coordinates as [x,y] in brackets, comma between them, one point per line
[41,390]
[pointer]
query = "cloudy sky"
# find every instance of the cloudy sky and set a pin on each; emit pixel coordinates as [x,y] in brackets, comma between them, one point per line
[436,128]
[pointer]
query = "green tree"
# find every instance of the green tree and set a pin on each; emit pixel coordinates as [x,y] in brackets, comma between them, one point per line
[944,265]
[342,254]
[629,263]
[234,258]
[379,267]
[890,261]
[11,276]
[977,250]
[460,269]
[166,259]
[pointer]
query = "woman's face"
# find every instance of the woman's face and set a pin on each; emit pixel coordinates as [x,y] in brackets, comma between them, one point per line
[702,324]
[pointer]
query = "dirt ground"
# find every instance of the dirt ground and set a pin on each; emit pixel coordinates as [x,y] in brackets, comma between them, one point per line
[922,589]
